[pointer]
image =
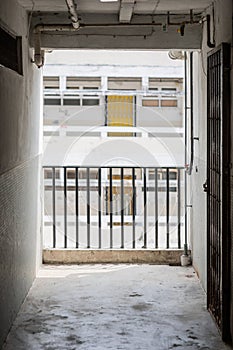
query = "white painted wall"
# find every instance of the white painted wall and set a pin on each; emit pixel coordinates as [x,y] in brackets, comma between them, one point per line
[74,115]
[97,151]
[104,64]
[159,117]
[95,115]
[111,58]
[19,172]
[197,197]
[223,32]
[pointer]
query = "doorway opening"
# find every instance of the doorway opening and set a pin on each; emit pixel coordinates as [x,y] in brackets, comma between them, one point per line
[114,160]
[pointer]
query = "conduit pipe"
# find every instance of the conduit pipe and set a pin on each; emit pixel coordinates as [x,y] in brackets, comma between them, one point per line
[185,258]
[73,13]
[209,43]
[69,28]
[191,20]
[190,167]
[185,140]
[38,53]
[76,26]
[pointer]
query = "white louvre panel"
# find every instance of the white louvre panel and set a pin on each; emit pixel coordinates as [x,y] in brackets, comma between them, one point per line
[163,83]
[83,82]
[124,83]
[51,82]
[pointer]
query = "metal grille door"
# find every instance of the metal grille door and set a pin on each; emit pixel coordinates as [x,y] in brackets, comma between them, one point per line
[218,229]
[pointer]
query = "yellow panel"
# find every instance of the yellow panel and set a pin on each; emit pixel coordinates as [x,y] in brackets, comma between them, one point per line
[120,112]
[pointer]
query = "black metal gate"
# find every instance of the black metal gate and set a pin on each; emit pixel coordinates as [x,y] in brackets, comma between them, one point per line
[218,190]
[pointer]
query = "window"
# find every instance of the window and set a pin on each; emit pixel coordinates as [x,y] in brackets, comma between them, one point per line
[173,175]
[165,92]
[155,82]
[90,102]
[170,93]
[116,197]
[52,101]
[150,103]
[72,83]
[93,174]
[169,89]
[11,51]
[71,174]
[51,82]
[168,103]
[152,91]
[51,133]
[48,174]
[83,83]
[71,102]
[124,83]
[91,88]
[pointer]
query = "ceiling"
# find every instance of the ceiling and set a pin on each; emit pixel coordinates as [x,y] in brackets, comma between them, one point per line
[131,24]
[139,6]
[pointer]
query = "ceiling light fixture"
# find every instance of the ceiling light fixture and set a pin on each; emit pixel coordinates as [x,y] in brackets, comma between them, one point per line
[108,0]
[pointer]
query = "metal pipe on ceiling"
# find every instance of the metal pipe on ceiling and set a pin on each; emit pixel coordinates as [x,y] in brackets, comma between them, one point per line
[190,166]
[69,28]
[76,26]
[73,13]
[209,43]
[38,53]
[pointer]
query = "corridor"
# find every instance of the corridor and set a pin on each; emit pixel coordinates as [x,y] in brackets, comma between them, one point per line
[98,307]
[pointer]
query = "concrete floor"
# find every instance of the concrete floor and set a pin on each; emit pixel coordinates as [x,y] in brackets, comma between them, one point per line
[128,307]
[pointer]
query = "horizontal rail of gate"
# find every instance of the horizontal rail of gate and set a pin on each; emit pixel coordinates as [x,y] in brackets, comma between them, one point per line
[114,207]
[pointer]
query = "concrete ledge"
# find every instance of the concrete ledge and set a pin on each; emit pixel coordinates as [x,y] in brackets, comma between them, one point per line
[74,256]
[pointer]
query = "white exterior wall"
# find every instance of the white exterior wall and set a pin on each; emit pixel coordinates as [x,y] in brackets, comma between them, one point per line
[223,31]
[150,121]
[19,173]
[74,115]
[117,58]
[96,151]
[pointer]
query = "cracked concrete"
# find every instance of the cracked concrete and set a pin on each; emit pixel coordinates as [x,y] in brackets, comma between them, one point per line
[129,307]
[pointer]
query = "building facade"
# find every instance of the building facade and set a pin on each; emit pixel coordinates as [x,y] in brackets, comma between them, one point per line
[122,115]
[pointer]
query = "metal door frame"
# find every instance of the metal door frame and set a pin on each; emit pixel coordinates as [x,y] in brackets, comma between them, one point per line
[222,83]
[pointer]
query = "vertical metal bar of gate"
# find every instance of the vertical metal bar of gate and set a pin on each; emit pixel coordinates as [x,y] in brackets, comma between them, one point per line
[213,174]
[167,208]
[88,209]
[54,205]
[133,207]
[111,206]
[65,207]
[178,209]
[77,206]
[226,205]
[156,210]
[99,206]
[145,207]
[122,207]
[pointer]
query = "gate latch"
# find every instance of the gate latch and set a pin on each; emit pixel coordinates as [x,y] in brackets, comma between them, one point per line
[205,187]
